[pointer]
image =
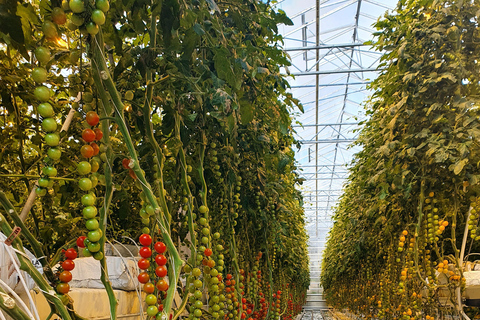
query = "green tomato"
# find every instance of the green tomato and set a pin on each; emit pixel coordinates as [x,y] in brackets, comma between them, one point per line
[85,184]
[91,224]
[86,252]
[90,212]
[196,272]
[65,5]
[152,311]
[49,30]
[206,231]
[150,210]
[49,125]
[198,283]
[198,313]
[77,6]
[42,54]
[77,21]
[92,28]
[42,93]
[49,171]
[40,191]
[89,199]
[84,168]
[45,110]
[198,304]
[216,235]
[94,179]
[39,74]
[94,235]
[43,182]
[203,209]
[98,17]
[146,230]
[94,247]
[98,255]
[102,5]
[198,294]
[151,299]
[54,153]
[52,139]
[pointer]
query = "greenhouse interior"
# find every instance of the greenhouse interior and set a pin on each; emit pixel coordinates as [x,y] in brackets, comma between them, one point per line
[239,159]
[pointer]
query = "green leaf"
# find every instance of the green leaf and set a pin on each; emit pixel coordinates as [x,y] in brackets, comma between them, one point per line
[458,167]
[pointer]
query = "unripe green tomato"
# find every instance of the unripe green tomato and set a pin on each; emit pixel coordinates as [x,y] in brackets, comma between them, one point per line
[92,28]
[86,252]
[85,184]
[49,30]
[49,171]
[205,240]
[206,231]
[98,255]
[52,139]
[152,311]
[39,74]
[103,5]
[198,313]
[42,93]
[77,6]
[198,304]
[216,235]
[146,221]
[49,125]
[43,182]
[54,153]
[90,212]
[94,247]
[42,54]
[98,17]
[45,110]
[92,224]
[89,199]
[151,299]
[94,179]
[65,5]
[94,235]
[40,191]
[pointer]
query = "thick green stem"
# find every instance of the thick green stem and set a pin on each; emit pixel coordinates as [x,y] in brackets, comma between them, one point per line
[417,228]
[99,63]
[27,266]
[9,306]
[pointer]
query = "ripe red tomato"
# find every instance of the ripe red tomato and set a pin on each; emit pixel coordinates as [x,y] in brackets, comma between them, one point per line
[87,151]
[160,247]
[161,271]
[92,118]
[162,285]
[143,264]
[98,134]
[211,263]
[95,148]
[71,254]
[161,260]
[208,252]
[229,276]
[145,239]
[88,135]
[65,276]
[63,288]
[143,277]
[145,252]
[125,163]
[149,287]
[68,265]
[80,241]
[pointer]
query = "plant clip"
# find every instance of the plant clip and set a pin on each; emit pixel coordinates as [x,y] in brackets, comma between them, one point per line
[16,231]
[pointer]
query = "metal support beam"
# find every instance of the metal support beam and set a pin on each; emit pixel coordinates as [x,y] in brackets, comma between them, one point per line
[327,141]
[324,46]
[312,73]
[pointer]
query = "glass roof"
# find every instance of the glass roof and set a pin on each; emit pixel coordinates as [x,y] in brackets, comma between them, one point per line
[332,67]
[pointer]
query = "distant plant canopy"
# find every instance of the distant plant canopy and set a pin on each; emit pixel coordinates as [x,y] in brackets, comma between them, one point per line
[395,250]
[166,122]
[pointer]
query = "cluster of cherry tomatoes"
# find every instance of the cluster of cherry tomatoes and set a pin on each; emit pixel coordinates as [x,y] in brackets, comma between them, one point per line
[161,271]
[85,16]
[65,276]
[49,124]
